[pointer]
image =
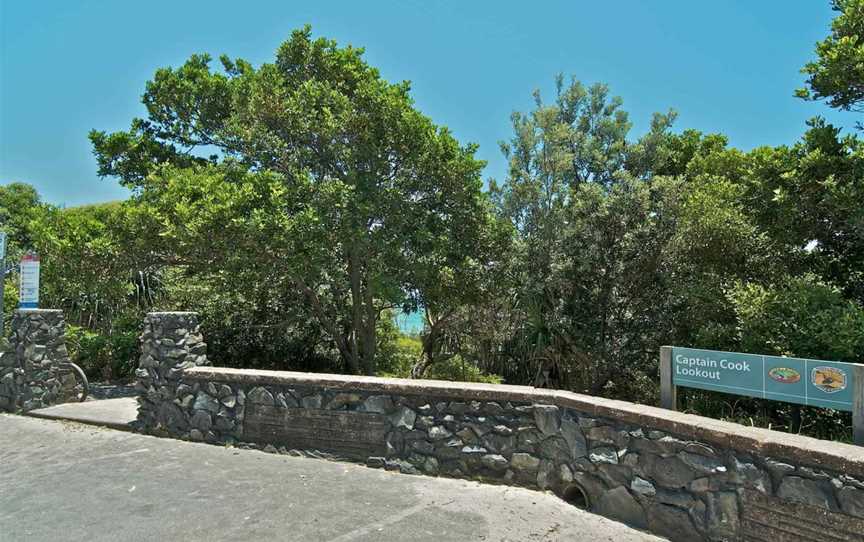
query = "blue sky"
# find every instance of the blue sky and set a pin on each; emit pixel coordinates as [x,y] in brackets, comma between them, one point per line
[727,66]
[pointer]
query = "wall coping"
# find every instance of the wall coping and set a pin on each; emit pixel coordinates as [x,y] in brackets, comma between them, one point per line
[798,449]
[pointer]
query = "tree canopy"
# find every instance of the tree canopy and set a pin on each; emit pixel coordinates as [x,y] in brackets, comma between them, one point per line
[322,169]
[836,75]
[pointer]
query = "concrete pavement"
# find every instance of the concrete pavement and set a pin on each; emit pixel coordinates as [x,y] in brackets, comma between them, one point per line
[114,413]
[66,481]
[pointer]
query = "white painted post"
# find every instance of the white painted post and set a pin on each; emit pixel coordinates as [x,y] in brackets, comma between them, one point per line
[668,391]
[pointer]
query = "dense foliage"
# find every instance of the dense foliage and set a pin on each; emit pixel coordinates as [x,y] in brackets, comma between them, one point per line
[325,172]
[300,204]
[836,75]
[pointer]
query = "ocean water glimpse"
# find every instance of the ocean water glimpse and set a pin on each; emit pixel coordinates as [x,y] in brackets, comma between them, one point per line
[409,322]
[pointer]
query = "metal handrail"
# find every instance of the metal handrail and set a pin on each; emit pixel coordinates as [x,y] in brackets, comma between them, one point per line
[82,378]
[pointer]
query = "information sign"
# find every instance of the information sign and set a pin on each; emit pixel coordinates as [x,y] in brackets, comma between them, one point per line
[29,282]
[812,382]
[804,381]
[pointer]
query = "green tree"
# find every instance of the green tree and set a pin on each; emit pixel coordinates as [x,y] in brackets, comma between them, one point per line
[809,199]
[453,281]
[817,182]
[367,185]
[718,238]
[592,221]
[837,76]
[85,265]
[799,316]
[20,205]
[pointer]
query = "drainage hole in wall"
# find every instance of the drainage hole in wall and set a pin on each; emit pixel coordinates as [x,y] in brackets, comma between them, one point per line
[575,495]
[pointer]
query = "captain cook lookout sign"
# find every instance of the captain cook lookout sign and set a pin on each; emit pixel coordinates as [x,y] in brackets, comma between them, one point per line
[819,383]
[808,382]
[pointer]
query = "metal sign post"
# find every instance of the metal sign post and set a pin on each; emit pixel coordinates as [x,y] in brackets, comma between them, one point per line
[3,271]
[858,408]
[827,384]
[668,390]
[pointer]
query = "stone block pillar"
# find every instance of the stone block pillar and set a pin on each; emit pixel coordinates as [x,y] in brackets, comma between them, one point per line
[11,376]
[33,371]
[171,343]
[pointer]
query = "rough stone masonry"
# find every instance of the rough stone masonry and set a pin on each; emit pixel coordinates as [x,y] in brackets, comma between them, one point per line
[676,475]
[171,343]
[33,371]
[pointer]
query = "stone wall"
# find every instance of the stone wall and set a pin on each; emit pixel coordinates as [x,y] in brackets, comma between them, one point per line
[170,343]
[33,373]
[11,376]
[677,475]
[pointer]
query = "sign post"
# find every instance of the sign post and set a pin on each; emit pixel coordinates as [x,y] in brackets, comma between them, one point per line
[858,407]
[29,280]
[827,384]
[3,271]
[668,390]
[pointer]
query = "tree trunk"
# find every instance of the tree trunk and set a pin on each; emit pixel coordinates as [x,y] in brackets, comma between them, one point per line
[427,357]
[356,305]
[431,345]
[369,329]
[350,360]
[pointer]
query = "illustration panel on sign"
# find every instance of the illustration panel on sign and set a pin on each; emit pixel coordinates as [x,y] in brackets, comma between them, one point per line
[786,380]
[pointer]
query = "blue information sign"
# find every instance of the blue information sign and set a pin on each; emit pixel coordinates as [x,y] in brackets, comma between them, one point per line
[804,381]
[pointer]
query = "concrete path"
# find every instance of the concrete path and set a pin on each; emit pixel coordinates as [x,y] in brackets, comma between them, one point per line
[66,481]
[113,413]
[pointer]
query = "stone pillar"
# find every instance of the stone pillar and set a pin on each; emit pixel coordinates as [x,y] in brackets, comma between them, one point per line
[171,343]
[11,376]
[40,357]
